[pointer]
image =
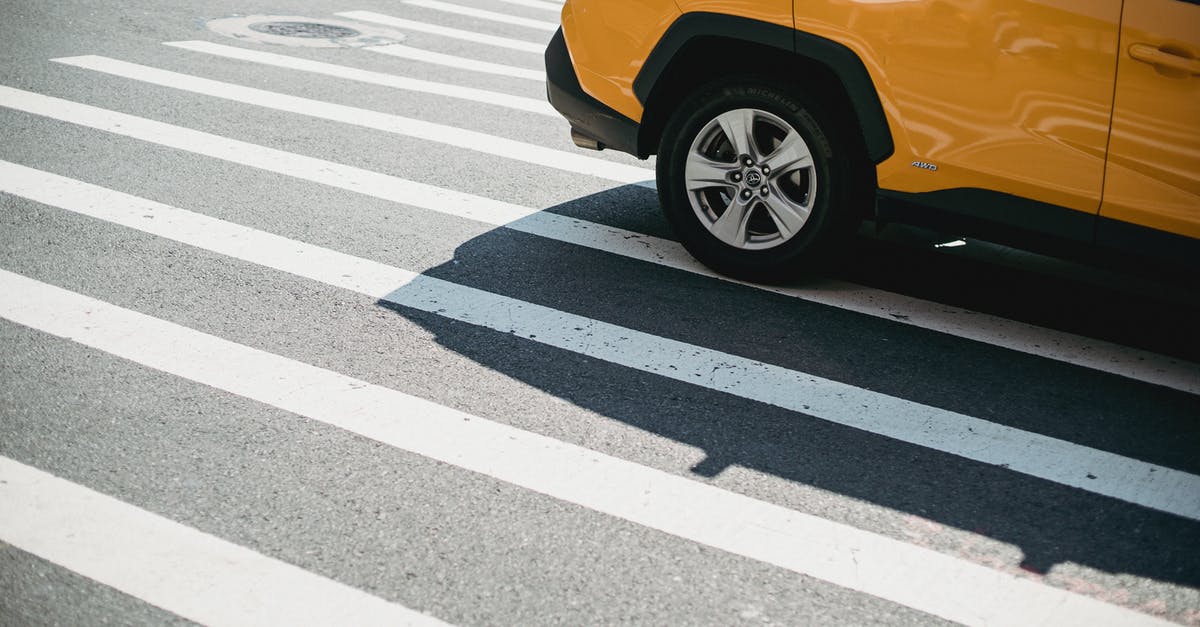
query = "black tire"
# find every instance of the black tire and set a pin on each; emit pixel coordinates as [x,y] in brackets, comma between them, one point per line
[835,190]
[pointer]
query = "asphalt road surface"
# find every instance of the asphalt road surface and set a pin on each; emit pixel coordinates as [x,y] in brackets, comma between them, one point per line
[353,334]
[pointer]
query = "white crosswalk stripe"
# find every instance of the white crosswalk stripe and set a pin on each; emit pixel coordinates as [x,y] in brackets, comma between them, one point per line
[896,571]
[1039,456]
[445,31]
[449,60]
[213,580]
[375,78]
[184,571]
[493,16]
[536,4]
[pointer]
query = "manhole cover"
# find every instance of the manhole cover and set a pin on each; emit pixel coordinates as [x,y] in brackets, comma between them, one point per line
[303,32]
[311,30]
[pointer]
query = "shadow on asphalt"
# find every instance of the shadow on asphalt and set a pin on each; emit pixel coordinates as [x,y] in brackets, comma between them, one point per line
[1049,523]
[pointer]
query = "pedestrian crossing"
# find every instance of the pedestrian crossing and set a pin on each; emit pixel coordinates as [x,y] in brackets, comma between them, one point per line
[388,123]
[449,60]
[493,16]
[875,563]
[554,7]
[140,554]
[518,103]
[510,43]
[1046,458]
[727,521]
[1119,360]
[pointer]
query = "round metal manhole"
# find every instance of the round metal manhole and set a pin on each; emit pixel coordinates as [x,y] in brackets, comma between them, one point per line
[304,32]
[310,30]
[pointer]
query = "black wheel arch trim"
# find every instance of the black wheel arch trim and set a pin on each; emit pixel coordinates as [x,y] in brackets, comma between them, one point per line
[837,58]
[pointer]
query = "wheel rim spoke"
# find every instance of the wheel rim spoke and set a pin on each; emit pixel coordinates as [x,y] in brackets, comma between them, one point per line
[731,227]
[703,173]
[792,154]
[789,217]
[738,126]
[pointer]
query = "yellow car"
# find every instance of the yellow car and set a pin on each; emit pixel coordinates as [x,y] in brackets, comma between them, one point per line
[1062,125]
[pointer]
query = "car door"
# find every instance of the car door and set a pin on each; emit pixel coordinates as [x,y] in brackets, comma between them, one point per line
[1152,174]
[1010,98]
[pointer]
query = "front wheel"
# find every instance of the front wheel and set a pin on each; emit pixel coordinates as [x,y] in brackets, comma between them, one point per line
[758,183]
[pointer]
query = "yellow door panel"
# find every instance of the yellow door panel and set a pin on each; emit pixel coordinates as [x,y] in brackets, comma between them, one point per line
[1008,95]
[1153,176]
[609,41]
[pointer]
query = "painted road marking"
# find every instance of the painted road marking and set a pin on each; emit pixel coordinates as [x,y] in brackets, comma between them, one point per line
[226,238]
[377,185]
[445,31]
[883,567]
[897,308]
[169,565]
[449,60]
[491,16]
[536,4]
[386,122]
[1033,454]
[532,105]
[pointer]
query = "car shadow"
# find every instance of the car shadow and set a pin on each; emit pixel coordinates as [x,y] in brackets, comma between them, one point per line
[1051,524]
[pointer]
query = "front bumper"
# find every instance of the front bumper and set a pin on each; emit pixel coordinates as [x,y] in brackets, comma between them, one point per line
[588,117]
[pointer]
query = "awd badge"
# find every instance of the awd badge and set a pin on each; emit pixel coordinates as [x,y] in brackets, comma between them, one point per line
[924,166]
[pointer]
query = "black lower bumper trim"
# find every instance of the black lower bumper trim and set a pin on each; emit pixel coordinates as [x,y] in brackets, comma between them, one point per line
[587,115]
[1037,226]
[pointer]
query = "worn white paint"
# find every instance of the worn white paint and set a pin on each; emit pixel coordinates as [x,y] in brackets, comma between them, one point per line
[889,569]
[174,567]
[462,63]
[1052,459]
[393,81]
[555,7]
[476,141]
[1103,356]
[445,31]
[491,16]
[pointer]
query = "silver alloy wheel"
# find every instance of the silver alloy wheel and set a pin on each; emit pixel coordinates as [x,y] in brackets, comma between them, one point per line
[751,179]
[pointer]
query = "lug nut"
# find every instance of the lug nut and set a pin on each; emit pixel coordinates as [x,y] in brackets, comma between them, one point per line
[746,194]
[749,162]
[736,177]
[766,170]
[764,190]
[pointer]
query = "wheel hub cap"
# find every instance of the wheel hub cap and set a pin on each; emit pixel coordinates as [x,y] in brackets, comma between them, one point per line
[751,179]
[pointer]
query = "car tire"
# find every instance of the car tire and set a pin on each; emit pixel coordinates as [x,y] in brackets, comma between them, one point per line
[761,183]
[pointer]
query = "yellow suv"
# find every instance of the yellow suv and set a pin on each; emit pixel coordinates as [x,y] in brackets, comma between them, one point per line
[1062,125]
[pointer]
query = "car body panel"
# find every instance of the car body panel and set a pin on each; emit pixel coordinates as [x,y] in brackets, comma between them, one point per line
[608,42]
[770,11]
[1037,101]
[1006,95]
[1153,176]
